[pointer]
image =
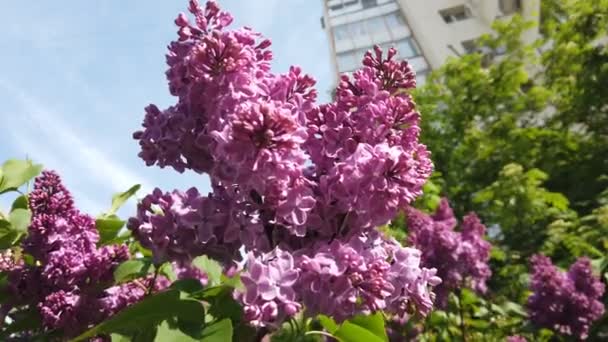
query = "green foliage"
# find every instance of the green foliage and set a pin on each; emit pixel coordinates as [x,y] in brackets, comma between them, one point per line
[358,329]
[109,224]
[132,269]
[148,314]
[15,173]
[521,207]
[521,137]
[211,267]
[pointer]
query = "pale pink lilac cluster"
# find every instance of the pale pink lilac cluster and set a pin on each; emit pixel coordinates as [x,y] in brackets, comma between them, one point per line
[460,257]
[363,275]
[293,182]
[269,295]
[69,282]
[516,338]
[567,302]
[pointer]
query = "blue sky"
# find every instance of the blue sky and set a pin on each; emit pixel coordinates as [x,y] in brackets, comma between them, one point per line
[75,76]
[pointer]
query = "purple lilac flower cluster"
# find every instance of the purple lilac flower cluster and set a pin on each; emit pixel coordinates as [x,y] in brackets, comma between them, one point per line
[567,302]
[461,257]
[299,187]
[67,280]
[8,261]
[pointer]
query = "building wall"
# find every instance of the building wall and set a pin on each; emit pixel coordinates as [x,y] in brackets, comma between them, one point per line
[436,35]
[354,29]
[426,32]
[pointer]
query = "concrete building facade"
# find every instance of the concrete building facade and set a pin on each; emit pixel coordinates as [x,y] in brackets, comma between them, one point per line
[426,32]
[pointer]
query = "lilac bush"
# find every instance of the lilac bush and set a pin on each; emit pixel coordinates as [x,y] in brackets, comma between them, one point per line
[300,187]
[460,257]
[70,281]
[567,302]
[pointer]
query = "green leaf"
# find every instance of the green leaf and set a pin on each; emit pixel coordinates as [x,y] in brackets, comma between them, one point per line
[166,333]
[188,285]
[373,323]
[467,297]
[119,338]
[438,318]
[222,303]
[515,308]
[119,199]
[24,320]
[8,235]
[211,267]
[132,269]
[349,332]
[5,227]
[15,173]
[359,328]
[20,203]
[20,219]
[108,227]
[218,332]
[149,313]
[234,281]
[328,323]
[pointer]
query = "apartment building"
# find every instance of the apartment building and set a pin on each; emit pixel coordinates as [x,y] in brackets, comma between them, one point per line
[426,32]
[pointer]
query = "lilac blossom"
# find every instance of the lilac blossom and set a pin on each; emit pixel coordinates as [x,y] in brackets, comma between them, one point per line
[294,184]
[516,338]
[461,257]
[66,283]
[269,296]
[364,275]
[567,302]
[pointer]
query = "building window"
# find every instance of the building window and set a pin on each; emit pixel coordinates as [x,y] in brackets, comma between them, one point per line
[406,48]
[357,28]
[369,3]
[340,4]
[348,61]
[508,7]
[454,14]
[469,46]
[341,32]
[394,19]
[375,25]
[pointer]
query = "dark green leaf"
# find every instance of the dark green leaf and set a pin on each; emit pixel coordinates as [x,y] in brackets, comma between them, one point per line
[5,227]
[149,313]
[20,203]
[132,269]
[22,321]
[108,227]
[222,303]
[8,239]
[187,285]
[218,332]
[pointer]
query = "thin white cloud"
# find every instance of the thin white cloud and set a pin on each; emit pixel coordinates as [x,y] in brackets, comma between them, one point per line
[44,128]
